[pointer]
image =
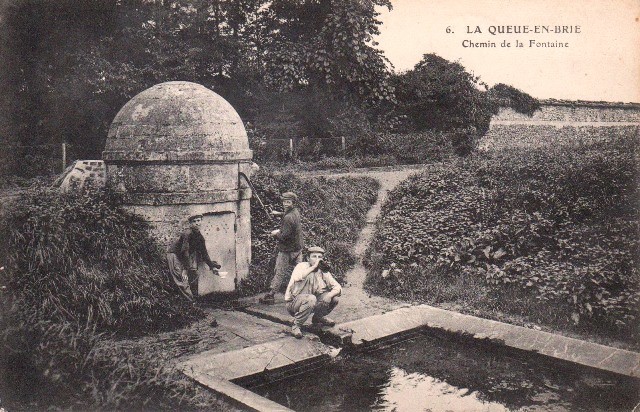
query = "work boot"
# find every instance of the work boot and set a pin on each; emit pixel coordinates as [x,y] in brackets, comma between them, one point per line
[296,332]
[322,320]
[268,299]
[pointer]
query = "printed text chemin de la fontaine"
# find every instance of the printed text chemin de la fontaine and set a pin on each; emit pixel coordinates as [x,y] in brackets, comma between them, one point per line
[521,42]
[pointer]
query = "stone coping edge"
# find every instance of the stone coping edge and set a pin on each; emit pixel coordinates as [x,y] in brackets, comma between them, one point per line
[589,103]
[139,156]
[236,394]
[550,345]
[363,333]
[424,318]
[164,199]
[563,123]
[283,372]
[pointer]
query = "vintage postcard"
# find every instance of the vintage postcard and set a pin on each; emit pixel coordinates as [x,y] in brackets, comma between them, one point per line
[320,205]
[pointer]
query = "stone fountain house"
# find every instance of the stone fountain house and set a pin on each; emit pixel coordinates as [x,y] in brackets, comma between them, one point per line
[178,149]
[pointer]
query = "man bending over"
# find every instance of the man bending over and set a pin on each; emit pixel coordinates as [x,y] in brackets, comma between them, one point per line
[184,255]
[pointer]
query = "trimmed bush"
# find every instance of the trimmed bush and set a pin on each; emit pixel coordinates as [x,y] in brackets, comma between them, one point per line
[504,95]
[558,223]
[333,212]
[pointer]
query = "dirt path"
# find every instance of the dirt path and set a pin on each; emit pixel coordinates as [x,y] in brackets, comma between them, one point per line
[388,181]
[355,302]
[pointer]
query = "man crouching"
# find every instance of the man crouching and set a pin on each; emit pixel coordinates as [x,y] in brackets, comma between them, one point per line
[311,290]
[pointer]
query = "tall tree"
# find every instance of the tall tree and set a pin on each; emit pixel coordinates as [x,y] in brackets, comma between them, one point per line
[442,95]
[72,64]
[41,37]
[328,44]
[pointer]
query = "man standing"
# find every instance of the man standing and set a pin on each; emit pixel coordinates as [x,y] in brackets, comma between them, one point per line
[290,245]
[311,290]
[184,255]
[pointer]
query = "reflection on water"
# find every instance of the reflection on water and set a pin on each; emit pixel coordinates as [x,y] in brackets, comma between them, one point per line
[428,373]
[418,392]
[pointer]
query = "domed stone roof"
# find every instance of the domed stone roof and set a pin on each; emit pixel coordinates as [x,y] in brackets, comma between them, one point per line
[174,122]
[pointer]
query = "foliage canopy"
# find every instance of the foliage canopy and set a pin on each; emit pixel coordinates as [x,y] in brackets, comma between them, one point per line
[292,69]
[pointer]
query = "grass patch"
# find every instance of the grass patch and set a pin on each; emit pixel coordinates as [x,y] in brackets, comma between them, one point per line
[543,236]
[80,258]
[81,274]
[112,374]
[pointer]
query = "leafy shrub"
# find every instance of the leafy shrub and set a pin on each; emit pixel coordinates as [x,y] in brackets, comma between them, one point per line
[372,150]
[560,223]
[78,269]
[309,149]
[333,211]
[364,144]
[419,147]
[80,258]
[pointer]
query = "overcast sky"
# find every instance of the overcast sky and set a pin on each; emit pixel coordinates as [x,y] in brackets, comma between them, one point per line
[602,62]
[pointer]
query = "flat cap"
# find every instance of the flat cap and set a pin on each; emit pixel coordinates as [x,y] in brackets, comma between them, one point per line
[289,196]
[192,218]
[316,249]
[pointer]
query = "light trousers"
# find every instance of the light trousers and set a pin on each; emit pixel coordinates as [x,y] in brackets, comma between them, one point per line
[303,305]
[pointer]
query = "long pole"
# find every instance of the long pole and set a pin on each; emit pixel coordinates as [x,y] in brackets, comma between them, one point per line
[64,156]
[266,209]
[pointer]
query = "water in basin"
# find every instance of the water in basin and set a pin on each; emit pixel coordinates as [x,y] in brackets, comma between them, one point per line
[447,373]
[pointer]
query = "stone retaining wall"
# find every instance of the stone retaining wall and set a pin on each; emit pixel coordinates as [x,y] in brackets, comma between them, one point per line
[526,135]
[578,112]
[562,122]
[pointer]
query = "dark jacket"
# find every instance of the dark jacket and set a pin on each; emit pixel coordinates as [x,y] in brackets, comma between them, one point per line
[191,249]
[290,236]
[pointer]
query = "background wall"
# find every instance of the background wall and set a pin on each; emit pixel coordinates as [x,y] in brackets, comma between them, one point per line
[559,121]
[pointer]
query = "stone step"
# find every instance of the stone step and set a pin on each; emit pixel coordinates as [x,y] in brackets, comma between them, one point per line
[273,355]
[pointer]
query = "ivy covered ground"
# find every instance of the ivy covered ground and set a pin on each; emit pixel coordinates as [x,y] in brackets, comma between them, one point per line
[547,237]
[333,212]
